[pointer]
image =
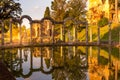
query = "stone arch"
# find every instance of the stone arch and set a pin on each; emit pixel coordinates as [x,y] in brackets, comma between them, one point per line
[52,20]
[47,18]
[27,17]
[69,35]
[20,22]
[69,18]
[51,28]
[47,72]
[74,31]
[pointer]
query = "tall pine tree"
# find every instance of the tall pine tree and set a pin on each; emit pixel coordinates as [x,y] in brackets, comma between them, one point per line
[47,12]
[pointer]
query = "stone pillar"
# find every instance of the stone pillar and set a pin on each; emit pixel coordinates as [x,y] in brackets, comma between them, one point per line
[2,23]
[75,33]
[30,32]
[61,33]
[109,25]
[116,70]
[3,54]
[110,62]
[87,56]
[31,59]
[11,60]
[98,55]
[98,35]
[52,33]
[41,60]
[10,27]
[74,50]
[86,34]
[90,34]
[20,58]
[41,26]
[20,33]
[61,51]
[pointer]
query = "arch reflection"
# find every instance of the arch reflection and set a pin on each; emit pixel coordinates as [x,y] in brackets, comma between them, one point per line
[63,62]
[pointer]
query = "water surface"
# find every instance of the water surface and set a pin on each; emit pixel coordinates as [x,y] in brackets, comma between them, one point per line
[63,63]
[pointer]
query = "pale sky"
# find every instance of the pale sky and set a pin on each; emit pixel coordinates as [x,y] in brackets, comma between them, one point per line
[34,8]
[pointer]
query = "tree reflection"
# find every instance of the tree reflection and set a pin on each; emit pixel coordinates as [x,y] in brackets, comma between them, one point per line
[61,62]
[72,68]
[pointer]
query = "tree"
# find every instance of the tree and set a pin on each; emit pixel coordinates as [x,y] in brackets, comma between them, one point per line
[77,9]
[58,8]
[9,9]
[47,12]
[62,9]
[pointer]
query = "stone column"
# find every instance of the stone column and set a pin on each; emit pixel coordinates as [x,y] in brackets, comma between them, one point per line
[31,59]
[30,32]
[61,33]
[10,27]
[87,56]
[61,51]
[98,57]
[110,61]
[20,59]
[98,35]
[75,33]
[2,23]
[109,25]
[20,33]
[52,33]
[41,26]
[90,34]
[86,34]
[74,50]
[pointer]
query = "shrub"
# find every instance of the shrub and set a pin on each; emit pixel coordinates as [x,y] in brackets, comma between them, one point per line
[102,22]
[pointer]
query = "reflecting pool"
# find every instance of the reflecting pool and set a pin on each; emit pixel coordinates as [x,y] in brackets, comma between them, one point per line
[63,63]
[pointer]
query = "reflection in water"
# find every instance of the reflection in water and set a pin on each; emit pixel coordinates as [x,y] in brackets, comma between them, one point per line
[63,63]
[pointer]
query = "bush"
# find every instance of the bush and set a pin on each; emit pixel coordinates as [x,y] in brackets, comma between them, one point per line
[102,22]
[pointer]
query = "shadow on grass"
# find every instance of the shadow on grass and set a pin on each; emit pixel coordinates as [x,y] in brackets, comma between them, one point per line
[114,34]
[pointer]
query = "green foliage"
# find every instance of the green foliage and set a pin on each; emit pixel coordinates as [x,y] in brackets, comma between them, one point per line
[9,9]
[62,9]
[102,22]
[47,12]
[103,60]
[6,26]
[76,9]
[58,8]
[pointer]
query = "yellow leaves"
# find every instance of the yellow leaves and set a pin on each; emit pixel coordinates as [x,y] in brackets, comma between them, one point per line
[96,10]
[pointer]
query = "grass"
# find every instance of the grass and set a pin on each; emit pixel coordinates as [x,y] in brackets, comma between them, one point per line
[104,33]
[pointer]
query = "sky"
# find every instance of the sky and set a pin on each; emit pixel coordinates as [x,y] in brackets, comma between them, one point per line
[34,8]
